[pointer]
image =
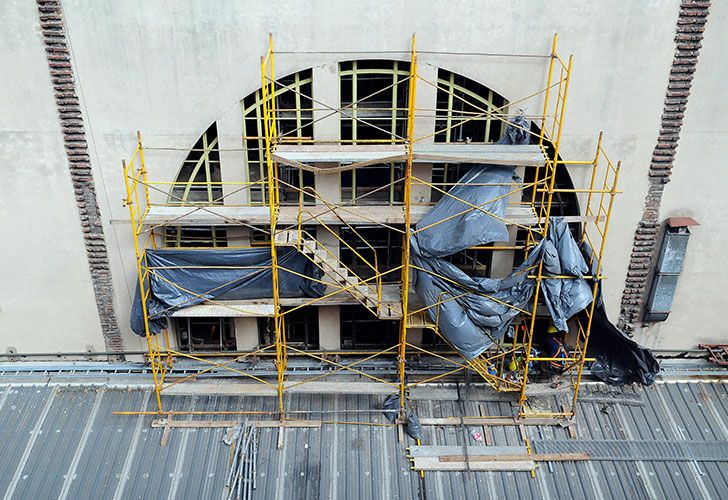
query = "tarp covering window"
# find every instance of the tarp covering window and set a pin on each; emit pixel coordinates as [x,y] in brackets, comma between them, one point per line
[474,313]
[184,278]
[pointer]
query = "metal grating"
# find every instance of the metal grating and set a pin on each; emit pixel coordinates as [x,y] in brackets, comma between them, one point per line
[639,450]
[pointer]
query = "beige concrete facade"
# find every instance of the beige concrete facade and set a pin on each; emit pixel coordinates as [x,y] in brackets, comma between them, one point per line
[172,69]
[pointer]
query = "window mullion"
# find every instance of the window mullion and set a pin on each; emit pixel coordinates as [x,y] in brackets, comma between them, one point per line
[489,107]
[395,80]
[448,131]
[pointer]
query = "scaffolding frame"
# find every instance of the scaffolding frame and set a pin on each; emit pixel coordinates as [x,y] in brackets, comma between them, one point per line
[495,365]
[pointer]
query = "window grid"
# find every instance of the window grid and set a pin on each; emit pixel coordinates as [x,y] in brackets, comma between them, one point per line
[198,183]
[451,110]
[386,110]
[294,120]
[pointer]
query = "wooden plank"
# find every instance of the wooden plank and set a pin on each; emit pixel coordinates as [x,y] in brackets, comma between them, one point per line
[288,423]
[489,421]
[441,450]
[195,424]
[433,463]
[199,424]
[281,437]
[165,436]
[536,457]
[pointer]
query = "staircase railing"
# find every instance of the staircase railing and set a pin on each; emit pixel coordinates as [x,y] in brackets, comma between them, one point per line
[332,209]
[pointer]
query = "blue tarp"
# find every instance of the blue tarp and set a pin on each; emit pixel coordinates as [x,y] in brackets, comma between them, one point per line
[177,277]
[478,311]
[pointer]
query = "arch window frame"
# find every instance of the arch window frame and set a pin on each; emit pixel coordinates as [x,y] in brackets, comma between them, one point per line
[204,157]
[395,118]
[207,147]
[299,85]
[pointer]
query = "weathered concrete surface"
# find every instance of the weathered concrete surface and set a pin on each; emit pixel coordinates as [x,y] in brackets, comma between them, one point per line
[170,70]
[46,296]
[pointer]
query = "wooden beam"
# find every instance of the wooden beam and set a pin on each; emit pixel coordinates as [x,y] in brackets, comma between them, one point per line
[432,463]
[536,457]
[489,421]
[198,424]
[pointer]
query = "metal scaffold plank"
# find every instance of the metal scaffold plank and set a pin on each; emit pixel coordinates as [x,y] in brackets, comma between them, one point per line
[357,155]
[353,214]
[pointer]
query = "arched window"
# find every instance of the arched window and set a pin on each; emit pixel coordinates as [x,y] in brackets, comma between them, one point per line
[460,98]
[195,183]
[374,96]
[294,107]
[198,183]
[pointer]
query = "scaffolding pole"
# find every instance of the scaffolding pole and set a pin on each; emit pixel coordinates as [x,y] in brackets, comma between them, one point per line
[492,365]
[411,103]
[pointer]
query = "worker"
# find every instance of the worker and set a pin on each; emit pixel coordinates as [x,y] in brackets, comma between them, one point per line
[555,349]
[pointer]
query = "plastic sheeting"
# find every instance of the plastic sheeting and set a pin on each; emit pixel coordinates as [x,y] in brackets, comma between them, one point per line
[472,227]
[476,312]
[184,278]
[454,224]
[619,359]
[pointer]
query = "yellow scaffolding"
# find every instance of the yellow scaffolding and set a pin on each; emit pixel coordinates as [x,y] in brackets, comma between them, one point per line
[505,367]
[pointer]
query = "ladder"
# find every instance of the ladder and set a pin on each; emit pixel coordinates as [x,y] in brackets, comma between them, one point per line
[365,293]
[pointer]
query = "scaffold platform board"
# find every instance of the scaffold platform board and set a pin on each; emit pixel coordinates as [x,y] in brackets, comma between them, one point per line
[347,157]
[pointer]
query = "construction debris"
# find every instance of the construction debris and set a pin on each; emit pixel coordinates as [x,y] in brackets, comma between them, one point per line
[241,475]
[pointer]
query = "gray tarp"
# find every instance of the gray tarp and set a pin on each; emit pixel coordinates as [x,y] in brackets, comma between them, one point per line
[222,275]
[476,312]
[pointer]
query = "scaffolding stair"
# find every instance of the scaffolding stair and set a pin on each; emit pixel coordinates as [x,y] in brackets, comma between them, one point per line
[420,320]
[364,293]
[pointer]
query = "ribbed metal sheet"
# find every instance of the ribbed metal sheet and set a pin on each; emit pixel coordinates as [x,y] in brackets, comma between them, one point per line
[638,450]
[64,442]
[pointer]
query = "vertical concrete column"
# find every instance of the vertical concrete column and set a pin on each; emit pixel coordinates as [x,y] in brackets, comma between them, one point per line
[329,328]
[246,333]
[232,163]
[326,91]
[502,262]
[426,102]
[233,168]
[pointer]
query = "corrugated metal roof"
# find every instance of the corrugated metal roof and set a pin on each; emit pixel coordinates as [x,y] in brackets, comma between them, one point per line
[64,442]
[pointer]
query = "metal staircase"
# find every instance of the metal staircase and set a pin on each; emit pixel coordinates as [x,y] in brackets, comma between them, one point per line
[365,292]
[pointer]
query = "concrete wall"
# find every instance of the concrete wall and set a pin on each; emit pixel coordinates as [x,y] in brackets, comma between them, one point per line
[46,297]
[698,189]
[170,69]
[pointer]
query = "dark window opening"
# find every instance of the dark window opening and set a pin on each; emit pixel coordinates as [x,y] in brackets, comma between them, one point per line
[205,334]
[459,99]
[294,113]
[302,329]
[374,184]
[203,236]
[375,92]
[445,176]
[387,245]
[198,181]
[361,330]
[433,341]
[473,262]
